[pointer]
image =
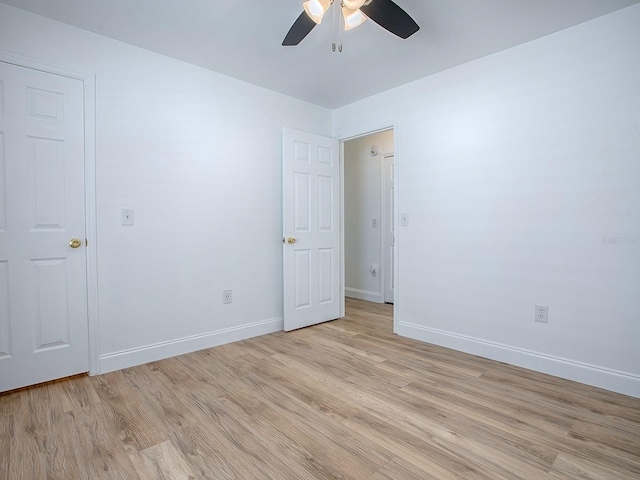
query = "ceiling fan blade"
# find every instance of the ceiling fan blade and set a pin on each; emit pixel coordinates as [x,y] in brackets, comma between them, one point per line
[391,17]
[300,29]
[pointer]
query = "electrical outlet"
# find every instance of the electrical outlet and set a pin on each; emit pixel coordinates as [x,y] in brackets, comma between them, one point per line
[542,313]
[374,222]
[226,296]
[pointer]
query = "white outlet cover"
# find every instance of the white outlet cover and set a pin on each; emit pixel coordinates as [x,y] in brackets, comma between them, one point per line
[542,314]
[227,296]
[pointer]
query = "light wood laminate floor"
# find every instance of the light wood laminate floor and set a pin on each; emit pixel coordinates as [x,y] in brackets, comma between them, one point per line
[342,400]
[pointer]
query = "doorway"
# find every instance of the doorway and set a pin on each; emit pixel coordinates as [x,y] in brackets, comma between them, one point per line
[369,205]
[48,329]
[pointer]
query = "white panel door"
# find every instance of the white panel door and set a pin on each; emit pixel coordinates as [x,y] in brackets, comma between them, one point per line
[311,229]
[43,295]
[389,232]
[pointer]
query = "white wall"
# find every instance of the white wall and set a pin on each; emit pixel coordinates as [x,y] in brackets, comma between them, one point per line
[363,203]
[198,156]
[514,168]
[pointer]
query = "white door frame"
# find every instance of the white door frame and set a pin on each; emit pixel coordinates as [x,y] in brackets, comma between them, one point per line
[350,134]
[383,225]
[88,80]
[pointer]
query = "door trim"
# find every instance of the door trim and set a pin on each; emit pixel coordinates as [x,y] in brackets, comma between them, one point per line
[383,224]
[361,131]
[88,80]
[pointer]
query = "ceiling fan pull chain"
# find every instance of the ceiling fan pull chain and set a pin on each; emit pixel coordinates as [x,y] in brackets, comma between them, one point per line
[337,31]
[338,14]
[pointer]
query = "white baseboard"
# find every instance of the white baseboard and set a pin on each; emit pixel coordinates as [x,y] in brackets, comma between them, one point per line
[621,382]
[363,295]
[158,351]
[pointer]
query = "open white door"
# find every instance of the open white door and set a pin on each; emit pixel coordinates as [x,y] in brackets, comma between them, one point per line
[43,289]
[311,229]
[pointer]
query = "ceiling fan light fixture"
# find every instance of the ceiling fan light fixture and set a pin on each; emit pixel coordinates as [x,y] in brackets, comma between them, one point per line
[352,18]
[385,13]
[316,9]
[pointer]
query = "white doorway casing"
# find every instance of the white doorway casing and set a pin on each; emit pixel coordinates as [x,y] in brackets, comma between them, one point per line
[356,132]
[388,226]
[364,215]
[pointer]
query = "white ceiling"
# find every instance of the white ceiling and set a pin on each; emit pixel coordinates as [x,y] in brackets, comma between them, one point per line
[243,39]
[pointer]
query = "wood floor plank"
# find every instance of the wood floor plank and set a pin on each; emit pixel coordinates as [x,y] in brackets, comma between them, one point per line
[301,350]
[7,436]
[309,450]
[416,450]
[226,442]
[97,439]
[10,402]
[568,466]
[185,377]
[621,437]
[78,393]
[345,399]
[312,420]
[162,404]
[531,438]
[211,458]
[487,413]
[161,462]
[581,397]
[456,432]
[505,455]
[352,393]
[41,437]
[135,426]
[397,468]
[310,393]
[496,397]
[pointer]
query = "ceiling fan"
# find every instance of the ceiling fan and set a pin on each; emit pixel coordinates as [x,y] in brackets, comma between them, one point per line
[354,12]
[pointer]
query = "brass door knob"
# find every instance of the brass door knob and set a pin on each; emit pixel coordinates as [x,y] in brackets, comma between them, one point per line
[291,240]
[75,243]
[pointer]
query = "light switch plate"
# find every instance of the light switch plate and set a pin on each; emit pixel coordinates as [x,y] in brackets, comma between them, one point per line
[404,219]
[127,217]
